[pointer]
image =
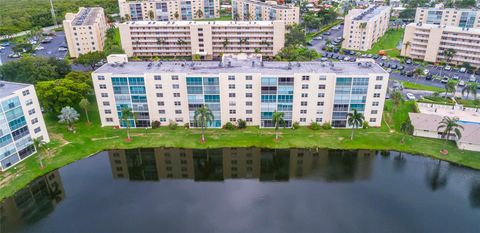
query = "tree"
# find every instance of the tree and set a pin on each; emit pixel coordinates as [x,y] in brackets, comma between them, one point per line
[22,48]
[418,72]
[406,128]
[151,15]
[128,17]
[449,125]
[355,119]
[84,104]
[176,15]
[41,148]
[295,36]
[450,87]
[470,88]
[127,114]
[61,92]
[90,59]
[278,119]
[68,116]
[449,54]
[199,14]
[407,14]
[236,17]
[80,77]
[225,42]
[34,69]
[203,116]
[397,99]
[406,45]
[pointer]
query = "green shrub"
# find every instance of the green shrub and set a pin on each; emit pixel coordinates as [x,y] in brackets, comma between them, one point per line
[314,126]
[186,125]
[326,125]
[155,124]
[229,126]
[365,125]
[295,125]
[241,124]
[172,125]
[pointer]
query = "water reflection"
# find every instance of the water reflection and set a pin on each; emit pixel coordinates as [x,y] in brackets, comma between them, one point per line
[475,194]
[246,163]
[436,176]
[32,203]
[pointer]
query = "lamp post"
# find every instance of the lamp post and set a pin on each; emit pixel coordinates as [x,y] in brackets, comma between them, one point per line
[53,13]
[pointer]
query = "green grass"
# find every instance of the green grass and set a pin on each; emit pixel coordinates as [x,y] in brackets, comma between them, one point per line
[221,18]
[388,42]
[469,103]
[68,147]
[417,86]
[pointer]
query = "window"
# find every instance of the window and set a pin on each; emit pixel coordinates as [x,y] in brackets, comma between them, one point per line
[159,95]
[378,87]
[321,95]
[320,103]
[305,78]
[31,112]
[303,111]
[249,111]
[375,103]
[303,103]
[161,103]
[374,112]
[34,121]
[248,95]
[105,95]
[161,111]
[179,120]
[26,92]
[106,103]
[249,103]
[304,95]
[175,86]
[373,119]
[176,94]
[178,111]
[304,86]
[376,95]
[101,78]
[321,86]
[379,78]
[319,119]
[108,111]
[174,77]
[163,119]
[158,86]
[248,77]
[303,119]
[231,77]
[231,95]
[232,103]
[232,111]
[233,119]
[103,86]
[322,78]
[37,130]
[108,119]
[248,86]
[249,119]
[157,77]
[231,86]
[177,103]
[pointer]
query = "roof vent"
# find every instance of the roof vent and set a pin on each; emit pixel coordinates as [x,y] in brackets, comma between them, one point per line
[289,66]
[229,64]
[261,64]
[253,63]
[2,84]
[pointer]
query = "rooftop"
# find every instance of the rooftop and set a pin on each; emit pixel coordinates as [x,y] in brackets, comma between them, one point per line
[271,4]
[87,16]
[447,28]
[370,13]
[189,23]
[7,88]
[241,66]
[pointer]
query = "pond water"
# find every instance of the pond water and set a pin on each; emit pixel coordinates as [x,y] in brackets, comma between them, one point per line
[248,190]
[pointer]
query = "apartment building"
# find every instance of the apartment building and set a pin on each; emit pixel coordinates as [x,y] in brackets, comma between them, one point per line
[428,42]
[85,31]
[255,10]
[239,88]
[450,17]
[21,121]
[169,10]
[363,27]
[207,39]
[153,164]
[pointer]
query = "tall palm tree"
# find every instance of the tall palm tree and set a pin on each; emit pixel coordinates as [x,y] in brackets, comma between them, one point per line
[418,71]
[449,54]
[277,119]
[397,99]
[127,114]
[355,119]
[406,45]
[449,125]
[406,128]
[450,87]
[84,104]
[68,115]
[470,88]
[40,147]
[203,116]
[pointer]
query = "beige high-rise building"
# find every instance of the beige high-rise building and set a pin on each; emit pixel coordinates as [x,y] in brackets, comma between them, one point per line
[85,31]
[207,39]
[428,42]
[239,88]
[255,10]
[169,10]
[465,18]
[363,27]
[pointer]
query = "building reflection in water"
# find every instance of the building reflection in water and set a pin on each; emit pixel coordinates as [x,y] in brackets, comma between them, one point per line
[33,202]
[245,163]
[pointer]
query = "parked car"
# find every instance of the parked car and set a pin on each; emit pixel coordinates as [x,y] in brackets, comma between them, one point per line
[455,77]
[2,48]
[477,72]
[5,44]
[61,49]
[323,59]
[346,58]
[461,83]
[463,70]
[429,77]
[39,48]
[397,85]
[410,73]
[14,55]
[447,67]
[410,96]
[469,71]
[408,61]
[472,78]
[327,33]
[393,66]
[375,56]
[400,67]
[389,70]
[384,58]
[318,38]
[444,80]
[425,72]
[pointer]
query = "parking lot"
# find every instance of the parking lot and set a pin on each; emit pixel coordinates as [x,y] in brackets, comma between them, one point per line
[50,49]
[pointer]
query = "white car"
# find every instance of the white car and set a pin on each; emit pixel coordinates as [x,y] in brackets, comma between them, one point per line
[461,83]
[318,38]
[346,58]
[448,68]
[410,96]
[62,49]
[39,48]
[389,70]
[455,77]
[472,78]
[463,69]
[2,48]
[425,72]
[384,58]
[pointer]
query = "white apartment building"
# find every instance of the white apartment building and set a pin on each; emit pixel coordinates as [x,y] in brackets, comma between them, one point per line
[85,31]
[464,18]
[241,87]
[363,27]
[169,10]
[255,10]
[428,42]
[208,39]
[21,121]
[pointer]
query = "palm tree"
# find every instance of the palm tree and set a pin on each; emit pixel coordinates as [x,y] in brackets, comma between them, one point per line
[236,17]
[225,43]
[397,99]
[406,128]
[418,71]
[176,15]
[128,17]
[449,124]
[470,88]
[203,116]
[40,147]
[449,54]
[435,178]
[126,115]
[199,14]
[151,15]
[406,44]
[450,87]
[277,119]
[68,115]
[84,105]
[355,119]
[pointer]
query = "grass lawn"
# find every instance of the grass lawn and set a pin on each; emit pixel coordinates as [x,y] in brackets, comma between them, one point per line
[388,42]
[469,103]
[221,18]
[88,139]
[417,86]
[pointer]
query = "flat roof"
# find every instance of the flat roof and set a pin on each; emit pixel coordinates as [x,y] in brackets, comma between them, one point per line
[86,16]
[271,4]
[8,88]
[189,23]
[446,28]
[370,13]
[216,67]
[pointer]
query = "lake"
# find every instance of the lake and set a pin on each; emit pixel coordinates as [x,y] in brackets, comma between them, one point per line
[248,190]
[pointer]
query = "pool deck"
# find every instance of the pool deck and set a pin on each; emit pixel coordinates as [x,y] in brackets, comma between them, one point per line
[464,114]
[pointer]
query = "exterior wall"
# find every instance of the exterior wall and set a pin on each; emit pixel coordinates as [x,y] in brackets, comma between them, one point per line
[23,116]
[169,10]
[449,17]
[207,39]
[426,134]
[240,97]
[362,34]
[427,42]
[468,146]
[85,37]
[254,10]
